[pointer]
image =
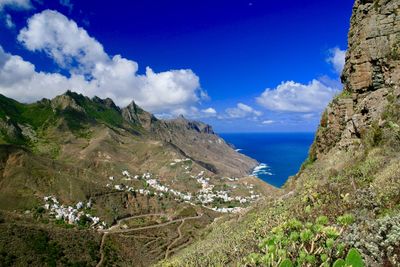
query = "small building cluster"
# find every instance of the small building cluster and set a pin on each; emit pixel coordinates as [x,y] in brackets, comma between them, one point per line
[205,182]
[153,183]
[176,161]
[71,214]
[207,196]
[228,210]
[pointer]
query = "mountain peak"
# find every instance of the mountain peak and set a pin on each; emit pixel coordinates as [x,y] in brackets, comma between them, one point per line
[67,101]
[107,102]
[198,126]
[136,115]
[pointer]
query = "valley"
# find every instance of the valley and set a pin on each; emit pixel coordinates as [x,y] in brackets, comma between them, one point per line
[133,183]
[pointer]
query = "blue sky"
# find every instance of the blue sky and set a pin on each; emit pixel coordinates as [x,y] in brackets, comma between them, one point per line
[243,66]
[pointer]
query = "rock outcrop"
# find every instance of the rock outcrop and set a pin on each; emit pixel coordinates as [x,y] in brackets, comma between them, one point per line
[66,101]
[371,76]
[136,115]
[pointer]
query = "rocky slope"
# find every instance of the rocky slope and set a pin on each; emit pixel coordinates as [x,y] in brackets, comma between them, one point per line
[205,147]
[343,207]
[195,140]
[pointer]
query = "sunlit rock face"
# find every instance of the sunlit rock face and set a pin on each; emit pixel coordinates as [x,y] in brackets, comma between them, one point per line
[370,77]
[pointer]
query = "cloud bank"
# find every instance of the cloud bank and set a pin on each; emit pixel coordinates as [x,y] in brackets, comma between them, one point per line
[296,97]
[15,4]
[310,98]
[91,70]
[242,111]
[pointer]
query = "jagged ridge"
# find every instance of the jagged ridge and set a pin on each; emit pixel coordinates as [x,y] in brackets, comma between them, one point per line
[75,112]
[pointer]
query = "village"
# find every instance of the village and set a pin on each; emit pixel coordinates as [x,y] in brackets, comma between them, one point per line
[73,214]
[208,197]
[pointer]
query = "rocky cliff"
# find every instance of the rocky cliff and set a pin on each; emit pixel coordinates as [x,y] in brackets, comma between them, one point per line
[370,77]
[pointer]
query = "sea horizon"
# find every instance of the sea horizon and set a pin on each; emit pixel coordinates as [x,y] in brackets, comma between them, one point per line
[280,154]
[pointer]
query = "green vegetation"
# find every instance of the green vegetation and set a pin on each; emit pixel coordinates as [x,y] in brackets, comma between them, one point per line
[49,251]
[7,258]
[345,94]
[35,114]
[97,111]
[295,242]
[41,116]
[22,245]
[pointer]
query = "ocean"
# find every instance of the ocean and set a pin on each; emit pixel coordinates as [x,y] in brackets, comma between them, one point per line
[280,154]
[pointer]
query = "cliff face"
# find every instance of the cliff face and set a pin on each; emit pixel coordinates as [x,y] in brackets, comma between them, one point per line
[370,77]
[136,115]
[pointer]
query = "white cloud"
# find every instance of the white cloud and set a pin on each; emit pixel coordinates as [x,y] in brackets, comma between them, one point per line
[242,111]
[191,112]
[337,58]
[308,115]
[268,122]
[19,80]
[92,71]
[290,96]
[15,4]
[209,111]
[8,21]
[67,44]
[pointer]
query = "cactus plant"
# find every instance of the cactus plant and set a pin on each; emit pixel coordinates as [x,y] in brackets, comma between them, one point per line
[353,259]
[286,263]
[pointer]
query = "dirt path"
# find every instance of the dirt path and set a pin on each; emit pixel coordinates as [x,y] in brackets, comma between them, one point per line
[106,232]
[103,239]
[176,240]
[151,226]
[114,230]
[119,222]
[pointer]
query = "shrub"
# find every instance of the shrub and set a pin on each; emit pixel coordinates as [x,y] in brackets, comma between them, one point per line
[378,239]
[297,243]
[345,219]
[322,220]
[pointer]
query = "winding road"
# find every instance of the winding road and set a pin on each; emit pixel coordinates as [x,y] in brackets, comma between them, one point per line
[176,240]
[114,230]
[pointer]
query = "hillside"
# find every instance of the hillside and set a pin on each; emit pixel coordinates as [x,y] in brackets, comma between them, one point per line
[83,181]
[342,208]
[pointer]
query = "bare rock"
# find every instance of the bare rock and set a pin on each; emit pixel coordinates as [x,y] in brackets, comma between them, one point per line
[371,73]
